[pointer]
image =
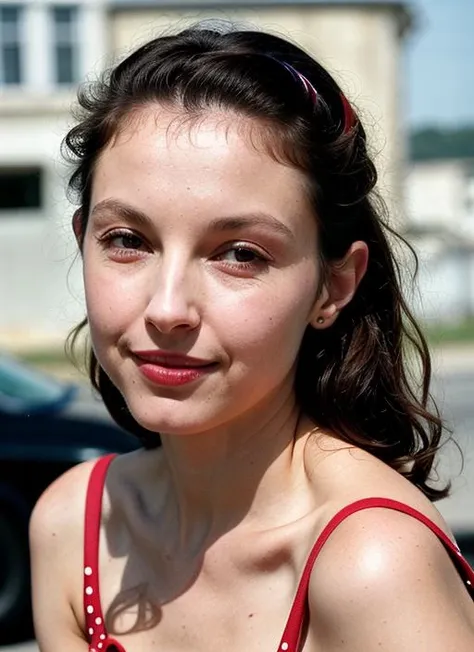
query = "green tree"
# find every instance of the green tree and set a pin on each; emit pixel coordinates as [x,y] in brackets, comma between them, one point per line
[435,143]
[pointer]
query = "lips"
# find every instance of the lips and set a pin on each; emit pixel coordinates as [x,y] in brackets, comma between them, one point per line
[171,369]
[171,360]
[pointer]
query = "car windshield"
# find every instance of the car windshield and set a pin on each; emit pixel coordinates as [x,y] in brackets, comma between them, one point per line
[22,386]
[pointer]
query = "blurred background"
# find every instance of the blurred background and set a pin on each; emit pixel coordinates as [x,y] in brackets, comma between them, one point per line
[407,67]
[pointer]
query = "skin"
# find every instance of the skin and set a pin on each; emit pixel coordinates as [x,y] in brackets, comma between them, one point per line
[213,530]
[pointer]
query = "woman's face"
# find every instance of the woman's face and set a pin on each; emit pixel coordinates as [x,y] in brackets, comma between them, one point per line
[201,271]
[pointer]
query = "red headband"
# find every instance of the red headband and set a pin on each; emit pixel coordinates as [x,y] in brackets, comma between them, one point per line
[349,117]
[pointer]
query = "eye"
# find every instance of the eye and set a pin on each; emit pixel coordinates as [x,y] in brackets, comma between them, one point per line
[123,244]
[124,240]
[241,255]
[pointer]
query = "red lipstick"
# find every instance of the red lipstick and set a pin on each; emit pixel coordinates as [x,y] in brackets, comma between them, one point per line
[171,369]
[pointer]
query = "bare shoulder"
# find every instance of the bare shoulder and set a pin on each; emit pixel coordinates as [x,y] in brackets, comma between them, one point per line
[384,580]
[58,512]
[56,545]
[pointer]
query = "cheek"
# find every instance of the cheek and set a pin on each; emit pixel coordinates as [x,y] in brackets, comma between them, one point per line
[110,301]
[271,323]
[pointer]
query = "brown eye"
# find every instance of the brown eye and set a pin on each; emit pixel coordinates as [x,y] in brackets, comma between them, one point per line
[125,241]
[244,255]
[241,255]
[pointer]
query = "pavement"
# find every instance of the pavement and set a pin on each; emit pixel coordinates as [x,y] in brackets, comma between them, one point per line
[452,358]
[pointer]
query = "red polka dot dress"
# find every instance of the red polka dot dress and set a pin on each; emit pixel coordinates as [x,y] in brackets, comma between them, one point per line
[99,639]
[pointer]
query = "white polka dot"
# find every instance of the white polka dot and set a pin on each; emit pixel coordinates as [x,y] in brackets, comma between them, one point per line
[90,609]
[91,631]
[87,570]
[89,590]
[102,636]
[469,583]
[98,621]
[284,646]
[99,645]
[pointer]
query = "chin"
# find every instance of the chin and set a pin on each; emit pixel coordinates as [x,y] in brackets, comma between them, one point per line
[170,419]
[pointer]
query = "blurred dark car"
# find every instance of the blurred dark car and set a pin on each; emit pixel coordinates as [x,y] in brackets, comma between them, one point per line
[46,427]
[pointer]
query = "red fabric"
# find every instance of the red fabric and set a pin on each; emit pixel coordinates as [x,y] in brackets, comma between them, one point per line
[100,641]
[292,633]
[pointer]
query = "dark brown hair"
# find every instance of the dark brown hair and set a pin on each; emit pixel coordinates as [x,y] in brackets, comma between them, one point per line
[355,378]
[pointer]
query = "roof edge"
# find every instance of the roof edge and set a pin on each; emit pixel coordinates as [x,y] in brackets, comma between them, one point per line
[406,12]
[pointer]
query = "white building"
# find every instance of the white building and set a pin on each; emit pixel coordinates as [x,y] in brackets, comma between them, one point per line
[440,210]
[47,46]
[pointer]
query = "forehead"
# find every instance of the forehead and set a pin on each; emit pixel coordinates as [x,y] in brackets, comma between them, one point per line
[215,162]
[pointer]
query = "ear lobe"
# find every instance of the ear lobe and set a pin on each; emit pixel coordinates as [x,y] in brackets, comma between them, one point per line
[344,277]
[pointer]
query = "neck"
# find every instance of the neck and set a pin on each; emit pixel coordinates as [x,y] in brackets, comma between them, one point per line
[245,475]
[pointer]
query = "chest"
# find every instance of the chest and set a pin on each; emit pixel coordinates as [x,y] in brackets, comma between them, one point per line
[247,613]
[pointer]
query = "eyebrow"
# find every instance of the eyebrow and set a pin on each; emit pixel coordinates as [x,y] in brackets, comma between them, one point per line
[123,210]
[219,224]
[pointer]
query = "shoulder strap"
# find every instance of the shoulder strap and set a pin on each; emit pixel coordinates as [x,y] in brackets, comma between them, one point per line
[93,612]
[292,633]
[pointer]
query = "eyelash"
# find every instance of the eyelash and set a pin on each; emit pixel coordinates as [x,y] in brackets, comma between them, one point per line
[126,252]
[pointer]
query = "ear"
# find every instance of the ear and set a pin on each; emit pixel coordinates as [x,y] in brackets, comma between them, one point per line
[77,227]
[343,280]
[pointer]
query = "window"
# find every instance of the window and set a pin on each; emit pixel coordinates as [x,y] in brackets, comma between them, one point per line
[65,43]
[20,188]
[10,45]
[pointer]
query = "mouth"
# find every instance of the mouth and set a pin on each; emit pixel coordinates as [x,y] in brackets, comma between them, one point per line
[172,369]
[170,360]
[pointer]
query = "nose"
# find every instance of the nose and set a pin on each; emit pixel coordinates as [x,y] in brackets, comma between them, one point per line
[173,301]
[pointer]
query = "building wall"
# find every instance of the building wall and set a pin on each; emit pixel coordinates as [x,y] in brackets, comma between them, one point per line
[40,288]
[360,45]
[36,248]
[441,194]
[440,210]
[445,283]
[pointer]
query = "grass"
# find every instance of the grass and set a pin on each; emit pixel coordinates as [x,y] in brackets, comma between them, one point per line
[54,361]
[457,333]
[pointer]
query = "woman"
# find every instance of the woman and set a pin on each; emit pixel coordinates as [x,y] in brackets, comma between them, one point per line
[244,308]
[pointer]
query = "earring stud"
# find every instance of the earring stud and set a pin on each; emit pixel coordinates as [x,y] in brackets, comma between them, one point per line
[320,320]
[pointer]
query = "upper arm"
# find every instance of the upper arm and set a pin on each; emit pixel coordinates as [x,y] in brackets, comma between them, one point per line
[384,581]
[56,543]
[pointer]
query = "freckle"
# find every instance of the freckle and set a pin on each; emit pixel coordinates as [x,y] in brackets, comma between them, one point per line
[250,615]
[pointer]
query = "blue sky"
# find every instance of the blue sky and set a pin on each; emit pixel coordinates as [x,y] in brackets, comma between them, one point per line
[440,63]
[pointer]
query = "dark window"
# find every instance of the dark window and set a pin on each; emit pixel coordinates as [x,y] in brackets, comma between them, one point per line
[10,44]
[20,188]
[66,44]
